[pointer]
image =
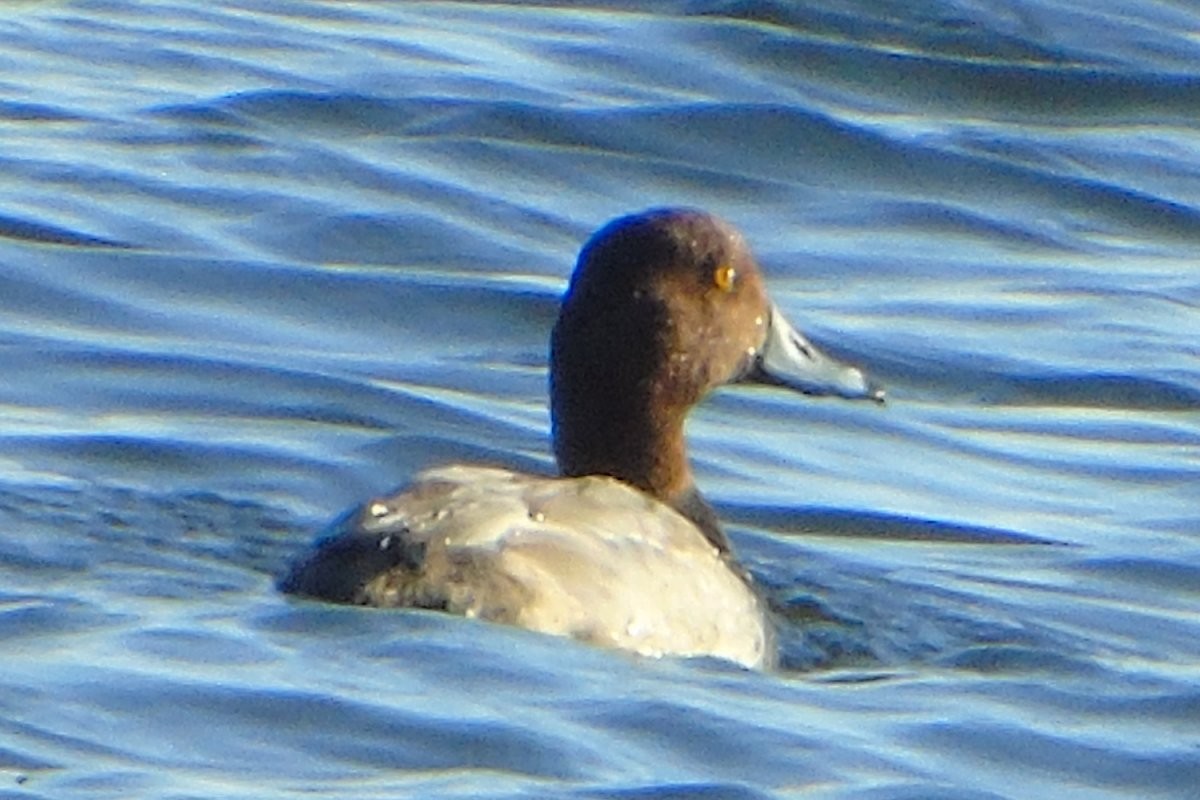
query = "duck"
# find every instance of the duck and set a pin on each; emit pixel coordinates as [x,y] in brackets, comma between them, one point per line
[620,549]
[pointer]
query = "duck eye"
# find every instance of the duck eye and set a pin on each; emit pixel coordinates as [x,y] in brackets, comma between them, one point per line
[724,276]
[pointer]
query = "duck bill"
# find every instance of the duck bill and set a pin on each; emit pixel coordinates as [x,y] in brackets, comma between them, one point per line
[788,359]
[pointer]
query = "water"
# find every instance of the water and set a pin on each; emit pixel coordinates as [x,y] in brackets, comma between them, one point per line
[261,260]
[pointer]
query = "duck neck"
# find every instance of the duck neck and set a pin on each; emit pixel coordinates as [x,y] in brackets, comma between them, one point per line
[638,441]
[625,438]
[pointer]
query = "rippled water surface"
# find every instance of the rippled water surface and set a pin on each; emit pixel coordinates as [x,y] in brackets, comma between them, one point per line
[259,260]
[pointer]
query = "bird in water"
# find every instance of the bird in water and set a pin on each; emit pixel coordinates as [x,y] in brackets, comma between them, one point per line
[622,550]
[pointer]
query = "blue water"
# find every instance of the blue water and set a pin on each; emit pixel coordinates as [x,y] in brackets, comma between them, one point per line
[259,260]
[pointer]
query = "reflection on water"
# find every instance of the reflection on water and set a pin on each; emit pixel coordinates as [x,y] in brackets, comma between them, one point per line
[261,261]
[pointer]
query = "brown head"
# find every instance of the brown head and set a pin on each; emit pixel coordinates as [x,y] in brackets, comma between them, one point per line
[664,306]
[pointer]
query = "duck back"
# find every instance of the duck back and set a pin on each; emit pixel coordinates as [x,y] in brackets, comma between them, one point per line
[591,558]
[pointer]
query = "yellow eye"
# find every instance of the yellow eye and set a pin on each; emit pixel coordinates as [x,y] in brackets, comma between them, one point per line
[724,277]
